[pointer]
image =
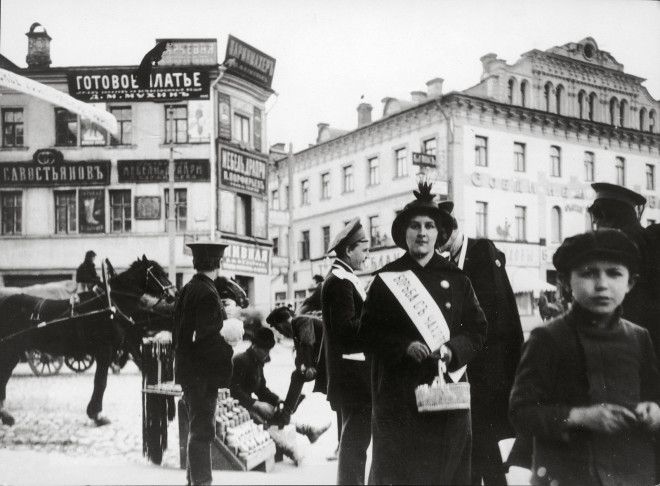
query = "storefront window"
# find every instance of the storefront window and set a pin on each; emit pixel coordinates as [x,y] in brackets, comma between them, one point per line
[120,211]
[66,212]
[180,208]
[11,212]
[66,128]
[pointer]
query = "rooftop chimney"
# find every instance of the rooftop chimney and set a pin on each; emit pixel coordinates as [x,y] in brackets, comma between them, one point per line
[364,114]
[489,63]
[417,97]
[38,56]
[321,128]
[435,87]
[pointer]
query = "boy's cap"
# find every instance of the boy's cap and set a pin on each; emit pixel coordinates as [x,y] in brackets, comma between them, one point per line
[264,338]
[603,244]
[277,315]
[352,233]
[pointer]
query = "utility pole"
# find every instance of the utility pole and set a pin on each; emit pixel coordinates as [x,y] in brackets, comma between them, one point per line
[291,245]
[171,219]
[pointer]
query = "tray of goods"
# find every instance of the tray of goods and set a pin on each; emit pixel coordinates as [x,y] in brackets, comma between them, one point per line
[165,388]
[441,396]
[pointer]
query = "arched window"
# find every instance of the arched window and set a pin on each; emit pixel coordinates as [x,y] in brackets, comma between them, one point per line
[559,91]
[511,89]
[592,106]
[614,108]
[555,225]
[652,121]
[547,92]
[642,118]
[581,103]
[523,93]
[622,113]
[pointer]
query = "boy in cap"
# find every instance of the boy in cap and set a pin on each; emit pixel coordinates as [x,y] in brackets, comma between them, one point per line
[202,356]
[587,386]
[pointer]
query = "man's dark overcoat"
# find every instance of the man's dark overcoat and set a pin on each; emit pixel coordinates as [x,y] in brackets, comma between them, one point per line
[411,447]
[248,379]
[200,351]
[347,380]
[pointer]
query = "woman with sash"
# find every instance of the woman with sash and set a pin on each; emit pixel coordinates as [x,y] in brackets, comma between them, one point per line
[419,309]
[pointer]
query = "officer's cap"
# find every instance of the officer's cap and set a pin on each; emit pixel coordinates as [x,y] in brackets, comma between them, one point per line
[352,233]
[207,249]
[605,190]
[603,244]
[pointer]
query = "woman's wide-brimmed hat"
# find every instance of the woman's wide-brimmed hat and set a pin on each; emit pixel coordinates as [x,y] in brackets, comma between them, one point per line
[423,204]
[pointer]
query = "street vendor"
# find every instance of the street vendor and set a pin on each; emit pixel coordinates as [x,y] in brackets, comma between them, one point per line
[202,356]
[412,447]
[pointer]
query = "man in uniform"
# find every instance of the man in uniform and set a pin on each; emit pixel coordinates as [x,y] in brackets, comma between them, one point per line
[348,389]
[493,370]
[202,357]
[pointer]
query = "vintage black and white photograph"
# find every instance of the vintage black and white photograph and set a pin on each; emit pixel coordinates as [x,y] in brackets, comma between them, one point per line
[330,242]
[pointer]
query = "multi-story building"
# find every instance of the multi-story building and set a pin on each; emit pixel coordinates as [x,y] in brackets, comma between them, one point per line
[67,186]
[517,153]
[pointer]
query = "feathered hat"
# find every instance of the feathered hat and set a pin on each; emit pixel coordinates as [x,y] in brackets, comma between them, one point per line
[422,204]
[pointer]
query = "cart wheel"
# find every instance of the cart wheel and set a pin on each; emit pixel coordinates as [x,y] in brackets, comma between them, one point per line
[79,364]
[43,364]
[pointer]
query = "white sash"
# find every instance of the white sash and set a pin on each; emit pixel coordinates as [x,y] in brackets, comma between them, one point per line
[422,310]
[344,274]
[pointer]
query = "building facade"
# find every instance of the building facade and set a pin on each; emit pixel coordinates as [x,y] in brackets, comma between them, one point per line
[67,186]
[516,153]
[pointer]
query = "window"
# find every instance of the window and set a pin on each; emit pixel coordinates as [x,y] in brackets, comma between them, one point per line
[259,221]
[176,124]
[581,103]
[304,246]
[280,296]
[511,86]
[120,211]
[124,117]
[325,185]
[482,219]
[519,157]
[92,134]
[614,108]
[622,113]
[374,171]
[480,151]
[547,93]
[559,91]
[430,146]
[241,127]
[275,199]
[555,161]
[642,119]
[12,127]
[66,128]
[325,230]
[592,106]
[304,192]
[348,185]
[523,93]
[401,156]
[180,208]
[620,167]
[226,211]
[555,224]
[588,166]
[66,212]
[652,121]
[650,177]
[285,203]
[243,213]
[276,246]
[521,223]
[374,231]
[11,212]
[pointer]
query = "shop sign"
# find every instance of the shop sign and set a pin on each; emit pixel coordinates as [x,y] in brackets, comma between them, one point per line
[185,170]
[22,174]
[224,116]
[238,256]
[249,63]
[242,171]
[165,84]
[189,52]
[423,160]
[91,206]
[47,157]
[147,207]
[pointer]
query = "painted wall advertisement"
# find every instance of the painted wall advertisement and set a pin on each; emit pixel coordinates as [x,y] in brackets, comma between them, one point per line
[224,116]
[199,118]
[147,207]
[91,206]
[157,170]
[165,84]
[189,52]
[249,63]
[242,171]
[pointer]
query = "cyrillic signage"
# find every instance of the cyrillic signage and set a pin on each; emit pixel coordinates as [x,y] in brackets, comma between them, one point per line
[165,84]
[185,170]
[243,257]
[189,52]
[423,160]
[22,174]
[249,63]
[242,171]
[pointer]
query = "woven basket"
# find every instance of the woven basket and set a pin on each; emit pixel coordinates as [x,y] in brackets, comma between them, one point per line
[442,396]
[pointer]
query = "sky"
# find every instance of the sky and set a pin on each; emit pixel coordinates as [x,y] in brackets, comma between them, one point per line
[332,52]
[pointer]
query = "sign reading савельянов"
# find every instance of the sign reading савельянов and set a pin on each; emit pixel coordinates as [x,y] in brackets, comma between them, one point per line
[165,84]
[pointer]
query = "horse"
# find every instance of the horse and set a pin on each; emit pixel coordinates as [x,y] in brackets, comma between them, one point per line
[97,325]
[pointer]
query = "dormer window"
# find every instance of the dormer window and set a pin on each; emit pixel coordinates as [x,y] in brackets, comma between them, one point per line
[589,51]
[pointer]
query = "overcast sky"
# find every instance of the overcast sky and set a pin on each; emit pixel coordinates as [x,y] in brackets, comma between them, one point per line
[330,52]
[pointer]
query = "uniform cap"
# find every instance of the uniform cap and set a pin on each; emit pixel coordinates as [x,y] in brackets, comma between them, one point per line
[605,190]
[351,233]
[207,249]
[604,244]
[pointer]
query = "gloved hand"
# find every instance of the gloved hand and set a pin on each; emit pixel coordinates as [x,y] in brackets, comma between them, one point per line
[418,351]
[648,415]
[264,409]
[308,373]
[606,418]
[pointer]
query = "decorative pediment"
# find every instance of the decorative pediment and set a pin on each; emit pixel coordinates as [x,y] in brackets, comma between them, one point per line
[587,50]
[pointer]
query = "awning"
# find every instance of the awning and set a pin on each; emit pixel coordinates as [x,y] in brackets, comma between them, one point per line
[527,280]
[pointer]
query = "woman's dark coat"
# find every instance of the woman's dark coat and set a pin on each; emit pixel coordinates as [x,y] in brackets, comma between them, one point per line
[408,446]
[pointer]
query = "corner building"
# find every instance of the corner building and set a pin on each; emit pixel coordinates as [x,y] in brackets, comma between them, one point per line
[517,153]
